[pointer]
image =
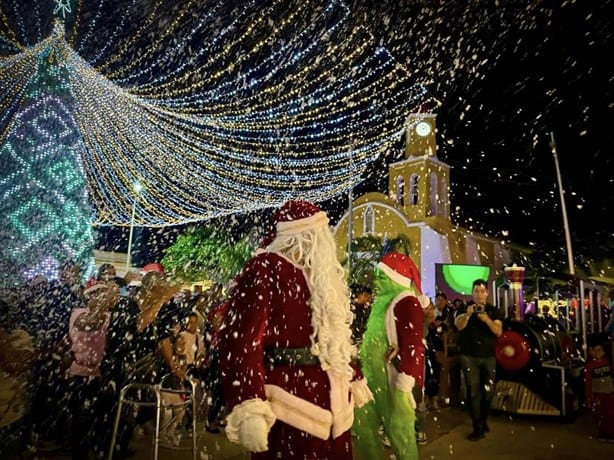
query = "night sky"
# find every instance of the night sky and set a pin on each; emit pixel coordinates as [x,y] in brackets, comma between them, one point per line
[507,74]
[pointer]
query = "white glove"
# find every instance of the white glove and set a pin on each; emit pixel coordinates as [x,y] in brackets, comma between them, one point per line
[361,392]
[253,433]
[406,384]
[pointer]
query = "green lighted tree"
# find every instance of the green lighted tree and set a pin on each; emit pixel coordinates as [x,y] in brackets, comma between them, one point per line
[45,208]
[206,253]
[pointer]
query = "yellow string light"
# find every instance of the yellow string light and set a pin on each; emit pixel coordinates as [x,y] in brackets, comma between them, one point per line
[221,112]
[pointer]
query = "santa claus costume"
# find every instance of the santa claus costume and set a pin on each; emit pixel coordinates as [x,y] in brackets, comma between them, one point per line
[286,345]
[392,359]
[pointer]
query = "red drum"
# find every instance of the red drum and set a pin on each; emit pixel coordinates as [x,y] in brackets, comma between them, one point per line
[513,351]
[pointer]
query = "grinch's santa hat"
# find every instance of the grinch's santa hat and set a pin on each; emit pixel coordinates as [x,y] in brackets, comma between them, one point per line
[295,217]
[402,270]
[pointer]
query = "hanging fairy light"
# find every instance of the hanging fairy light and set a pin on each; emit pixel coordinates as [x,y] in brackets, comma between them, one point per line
[215,108]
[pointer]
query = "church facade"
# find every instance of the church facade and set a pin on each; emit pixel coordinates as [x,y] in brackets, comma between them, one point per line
[417,208]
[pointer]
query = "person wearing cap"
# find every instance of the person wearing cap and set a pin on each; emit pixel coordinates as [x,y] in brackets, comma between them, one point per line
[392,359]
[286,345]
[478,329]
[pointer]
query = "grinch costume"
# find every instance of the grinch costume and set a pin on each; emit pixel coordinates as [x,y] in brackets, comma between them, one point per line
[286,345]
[392,360]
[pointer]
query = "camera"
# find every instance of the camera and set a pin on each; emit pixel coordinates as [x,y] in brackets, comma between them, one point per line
[478,309]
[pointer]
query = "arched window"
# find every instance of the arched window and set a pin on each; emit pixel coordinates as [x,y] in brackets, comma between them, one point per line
[413,190]
[400,191]
[444,198]
[434,195]
[369,221]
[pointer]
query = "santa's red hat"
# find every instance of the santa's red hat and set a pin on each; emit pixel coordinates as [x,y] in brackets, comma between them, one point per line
[294,217]
[401,269]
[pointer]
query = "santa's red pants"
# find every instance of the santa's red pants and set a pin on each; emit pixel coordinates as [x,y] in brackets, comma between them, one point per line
[286,442]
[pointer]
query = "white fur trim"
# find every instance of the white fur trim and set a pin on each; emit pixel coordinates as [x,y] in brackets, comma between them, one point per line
[392,373]
[249,408]
[405,382]
[361,392]
[424,300]
[394,275]
[254,434]
[298,412]
[341,405]
[293,227]
[390,321]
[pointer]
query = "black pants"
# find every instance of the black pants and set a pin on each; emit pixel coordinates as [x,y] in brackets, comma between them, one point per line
[87,414]
[49,411]
[480,381]
[213,384]
[432,371]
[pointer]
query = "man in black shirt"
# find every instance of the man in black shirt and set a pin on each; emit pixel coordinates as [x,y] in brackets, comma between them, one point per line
[478,329]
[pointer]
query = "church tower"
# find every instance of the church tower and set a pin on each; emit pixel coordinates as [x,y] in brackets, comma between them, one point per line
[420,183]
[416,211]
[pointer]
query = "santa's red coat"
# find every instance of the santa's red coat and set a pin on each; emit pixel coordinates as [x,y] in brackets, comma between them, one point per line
[269,308]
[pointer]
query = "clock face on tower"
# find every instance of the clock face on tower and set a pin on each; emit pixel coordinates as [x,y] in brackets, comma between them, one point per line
[423,129]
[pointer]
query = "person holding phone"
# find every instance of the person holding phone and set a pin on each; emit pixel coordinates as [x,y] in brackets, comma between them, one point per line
[478,329]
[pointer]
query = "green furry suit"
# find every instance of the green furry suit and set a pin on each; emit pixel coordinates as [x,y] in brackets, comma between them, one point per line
[392,407]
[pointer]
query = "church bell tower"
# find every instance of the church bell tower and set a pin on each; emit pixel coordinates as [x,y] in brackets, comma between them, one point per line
[420,184]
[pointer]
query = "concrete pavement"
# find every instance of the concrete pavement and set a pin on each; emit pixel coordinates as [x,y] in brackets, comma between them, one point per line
[510,438]
[513,437]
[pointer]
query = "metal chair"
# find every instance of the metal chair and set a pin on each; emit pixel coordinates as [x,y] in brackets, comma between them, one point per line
[150,395]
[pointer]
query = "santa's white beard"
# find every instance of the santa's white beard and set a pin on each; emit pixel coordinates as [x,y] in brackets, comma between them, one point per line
[315,251]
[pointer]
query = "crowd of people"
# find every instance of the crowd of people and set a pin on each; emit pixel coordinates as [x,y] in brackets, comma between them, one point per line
[68,348]
[289,361]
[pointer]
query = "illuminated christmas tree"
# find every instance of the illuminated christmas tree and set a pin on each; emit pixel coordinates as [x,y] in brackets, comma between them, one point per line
[45,208]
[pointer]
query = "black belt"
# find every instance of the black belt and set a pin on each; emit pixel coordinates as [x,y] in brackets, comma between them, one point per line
[290,357]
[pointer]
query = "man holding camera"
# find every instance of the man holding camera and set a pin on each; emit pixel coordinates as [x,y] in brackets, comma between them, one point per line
[478,329]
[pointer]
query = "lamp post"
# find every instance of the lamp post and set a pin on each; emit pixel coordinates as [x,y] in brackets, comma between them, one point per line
[137,187]
[572,270]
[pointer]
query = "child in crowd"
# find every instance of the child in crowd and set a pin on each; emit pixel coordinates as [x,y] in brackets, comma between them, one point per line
[193,344]
[599,388]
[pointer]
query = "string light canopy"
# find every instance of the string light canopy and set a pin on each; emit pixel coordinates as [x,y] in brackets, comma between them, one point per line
[215,107]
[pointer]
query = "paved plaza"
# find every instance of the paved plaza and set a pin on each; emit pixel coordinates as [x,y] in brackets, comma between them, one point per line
[510,438]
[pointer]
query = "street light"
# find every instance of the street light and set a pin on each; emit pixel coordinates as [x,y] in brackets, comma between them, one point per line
[137,187]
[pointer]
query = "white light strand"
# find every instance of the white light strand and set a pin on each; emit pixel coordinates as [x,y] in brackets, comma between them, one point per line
[227,109]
